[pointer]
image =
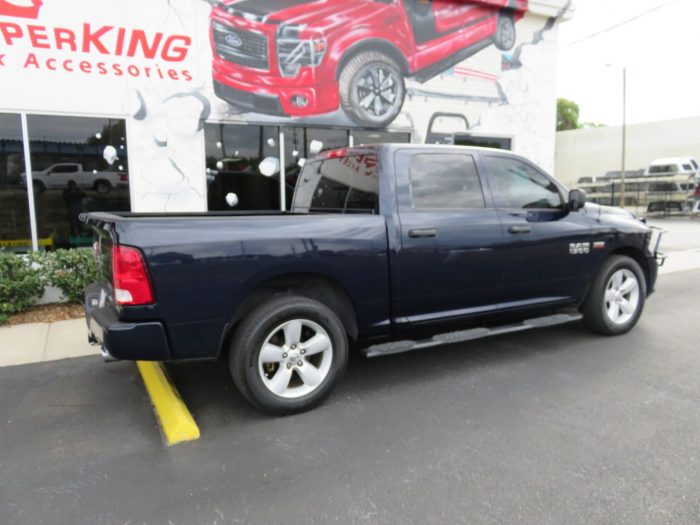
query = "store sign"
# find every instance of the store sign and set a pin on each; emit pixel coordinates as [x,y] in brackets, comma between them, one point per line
[63,47]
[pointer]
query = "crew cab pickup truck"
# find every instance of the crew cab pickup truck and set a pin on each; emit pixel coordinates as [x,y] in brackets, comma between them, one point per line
[390,248]
[57,177]
[309,57]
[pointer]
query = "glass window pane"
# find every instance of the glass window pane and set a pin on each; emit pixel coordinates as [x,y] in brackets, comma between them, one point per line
[234,157]
[445,181]
[347,184]
[78,165]
[517,185]
[15,232]
[329,139]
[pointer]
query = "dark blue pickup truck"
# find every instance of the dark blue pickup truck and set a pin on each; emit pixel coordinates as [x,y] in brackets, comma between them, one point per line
[387,248]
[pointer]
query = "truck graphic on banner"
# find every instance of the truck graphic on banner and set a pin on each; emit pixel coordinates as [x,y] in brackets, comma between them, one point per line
[302,58]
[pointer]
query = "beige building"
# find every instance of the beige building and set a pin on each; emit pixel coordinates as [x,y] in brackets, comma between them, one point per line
[594,152]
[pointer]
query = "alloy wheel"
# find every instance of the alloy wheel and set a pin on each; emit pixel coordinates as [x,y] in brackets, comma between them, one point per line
[295,358]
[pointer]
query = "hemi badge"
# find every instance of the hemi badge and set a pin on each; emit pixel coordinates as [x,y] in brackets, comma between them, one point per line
[600,245]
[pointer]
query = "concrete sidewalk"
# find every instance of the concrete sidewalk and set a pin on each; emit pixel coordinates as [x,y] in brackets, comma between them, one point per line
[39,342]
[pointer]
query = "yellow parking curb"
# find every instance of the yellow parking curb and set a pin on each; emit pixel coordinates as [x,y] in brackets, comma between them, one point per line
[175,419]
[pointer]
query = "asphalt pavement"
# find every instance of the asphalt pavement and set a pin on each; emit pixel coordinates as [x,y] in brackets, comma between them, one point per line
[554,426]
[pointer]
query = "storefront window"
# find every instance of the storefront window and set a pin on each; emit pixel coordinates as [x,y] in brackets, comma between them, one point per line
[326,138]
[15,232]
[234,157]
[78,165]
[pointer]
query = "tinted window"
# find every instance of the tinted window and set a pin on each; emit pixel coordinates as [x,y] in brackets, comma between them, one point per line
[345,184]
[687,167]
[445,180]
[667,168]
[516,185]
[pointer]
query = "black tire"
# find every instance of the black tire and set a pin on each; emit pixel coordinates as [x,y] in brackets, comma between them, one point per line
[354,89]
[38,187]
[595,308]
[505,36]
[253,332]
[102,187]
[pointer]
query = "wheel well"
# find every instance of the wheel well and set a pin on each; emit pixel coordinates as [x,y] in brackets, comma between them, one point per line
[374,45]
[316,287]
[98,181]
[637,255]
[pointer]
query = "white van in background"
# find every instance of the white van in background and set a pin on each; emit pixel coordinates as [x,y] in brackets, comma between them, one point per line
[672,166]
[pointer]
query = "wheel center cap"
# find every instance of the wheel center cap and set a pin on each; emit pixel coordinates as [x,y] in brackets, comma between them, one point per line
[294,356]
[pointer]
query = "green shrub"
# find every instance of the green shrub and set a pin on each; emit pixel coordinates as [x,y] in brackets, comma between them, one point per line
[71,271]
[24,277]
[21,284]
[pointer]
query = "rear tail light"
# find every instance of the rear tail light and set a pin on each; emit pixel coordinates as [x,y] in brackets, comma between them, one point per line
[132,286]
[123,177]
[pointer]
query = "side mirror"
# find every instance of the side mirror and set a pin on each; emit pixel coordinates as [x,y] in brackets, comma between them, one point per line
[577,199]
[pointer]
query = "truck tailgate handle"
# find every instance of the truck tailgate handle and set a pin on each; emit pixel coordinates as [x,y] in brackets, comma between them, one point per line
[423,234]
[519,229]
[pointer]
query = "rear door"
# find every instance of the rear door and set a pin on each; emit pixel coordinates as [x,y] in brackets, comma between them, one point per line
[451,15]
[451,237]
[547,248]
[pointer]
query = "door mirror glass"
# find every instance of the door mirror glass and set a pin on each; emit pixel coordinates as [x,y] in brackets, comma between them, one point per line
[577,199]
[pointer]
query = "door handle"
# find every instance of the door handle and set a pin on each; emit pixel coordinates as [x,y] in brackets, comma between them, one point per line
[423,234]
[519,229]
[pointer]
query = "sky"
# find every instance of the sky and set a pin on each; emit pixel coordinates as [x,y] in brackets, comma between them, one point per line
[659,51]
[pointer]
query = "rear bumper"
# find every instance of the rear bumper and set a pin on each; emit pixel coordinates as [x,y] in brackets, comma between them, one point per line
[144,341]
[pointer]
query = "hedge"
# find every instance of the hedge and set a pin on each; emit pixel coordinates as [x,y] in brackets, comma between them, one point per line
[24,277]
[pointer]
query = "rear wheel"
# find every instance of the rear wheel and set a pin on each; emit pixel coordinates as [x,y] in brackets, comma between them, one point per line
[616,299]
[504,38]
[102,186]
[288,354]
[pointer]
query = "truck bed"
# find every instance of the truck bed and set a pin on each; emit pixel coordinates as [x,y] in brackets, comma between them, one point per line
[202,265]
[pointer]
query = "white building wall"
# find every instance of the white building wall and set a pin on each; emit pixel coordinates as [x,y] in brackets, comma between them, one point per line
[593,152]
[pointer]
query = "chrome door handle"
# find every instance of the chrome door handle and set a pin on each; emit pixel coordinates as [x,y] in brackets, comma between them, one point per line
[423,234]
[519,229]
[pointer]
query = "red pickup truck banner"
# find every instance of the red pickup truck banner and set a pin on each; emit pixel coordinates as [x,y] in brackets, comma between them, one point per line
[168,65]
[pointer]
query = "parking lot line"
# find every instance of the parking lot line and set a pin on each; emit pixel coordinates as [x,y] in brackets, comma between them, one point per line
[175,419]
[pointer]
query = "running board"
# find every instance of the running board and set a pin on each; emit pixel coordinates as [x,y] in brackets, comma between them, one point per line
[398,347]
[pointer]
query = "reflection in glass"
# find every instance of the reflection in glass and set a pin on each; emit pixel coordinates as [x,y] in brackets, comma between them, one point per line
[75,169]
[234,154]
[15,231]
[445,181]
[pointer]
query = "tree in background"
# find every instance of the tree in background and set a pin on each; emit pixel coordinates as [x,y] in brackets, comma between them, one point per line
[567,115]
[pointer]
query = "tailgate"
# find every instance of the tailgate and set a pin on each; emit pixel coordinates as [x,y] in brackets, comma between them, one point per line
[102,227]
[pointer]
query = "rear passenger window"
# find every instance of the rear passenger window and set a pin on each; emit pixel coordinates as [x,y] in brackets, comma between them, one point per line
[517,185]
[445,181]
[345,184]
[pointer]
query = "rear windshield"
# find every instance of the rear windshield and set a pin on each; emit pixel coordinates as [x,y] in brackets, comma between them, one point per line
[347,184]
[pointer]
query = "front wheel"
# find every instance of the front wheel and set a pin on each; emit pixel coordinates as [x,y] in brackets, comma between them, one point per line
[372,89]
[288,354]
[616,299]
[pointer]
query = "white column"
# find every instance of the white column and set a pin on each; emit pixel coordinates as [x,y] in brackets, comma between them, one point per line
[30,181]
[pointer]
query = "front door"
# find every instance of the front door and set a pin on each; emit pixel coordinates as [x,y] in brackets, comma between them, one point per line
[545,244]
[450,263]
